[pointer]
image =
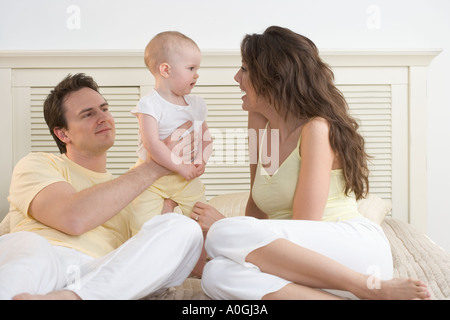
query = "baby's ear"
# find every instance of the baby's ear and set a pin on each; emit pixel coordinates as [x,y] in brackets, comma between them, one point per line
[164,70]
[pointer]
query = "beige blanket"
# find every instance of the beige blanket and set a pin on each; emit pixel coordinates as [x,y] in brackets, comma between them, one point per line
[416,256]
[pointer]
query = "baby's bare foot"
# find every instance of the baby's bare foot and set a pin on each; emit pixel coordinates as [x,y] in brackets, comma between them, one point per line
[168,206]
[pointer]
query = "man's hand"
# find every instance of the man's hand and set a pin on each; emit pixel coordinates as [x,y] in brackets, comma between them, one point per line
[181,142]
[200,169]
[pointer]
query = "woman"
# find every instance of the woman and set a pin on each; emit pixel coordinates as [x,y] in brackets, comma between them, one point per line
[309,233]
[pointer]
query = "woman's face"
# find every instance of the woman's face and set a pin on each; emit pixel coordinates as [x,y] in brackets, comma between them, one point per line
[250,100]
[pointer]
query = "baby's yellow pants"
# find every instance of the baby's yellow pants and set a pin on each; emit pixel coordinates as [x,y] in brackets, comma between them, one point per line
[173,186]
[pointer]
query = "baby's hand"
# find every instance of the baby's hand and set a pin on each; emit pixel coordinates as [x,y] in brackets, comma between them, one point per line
[188,171]
[200,169]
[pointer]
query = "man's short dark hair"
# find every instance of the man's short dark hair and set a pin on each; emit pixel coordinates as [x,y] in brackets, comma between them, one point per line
[54,109]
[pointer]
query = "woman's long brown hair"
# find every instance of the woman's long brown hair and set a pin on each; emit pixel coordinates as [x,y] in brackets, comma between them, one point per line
[285,68]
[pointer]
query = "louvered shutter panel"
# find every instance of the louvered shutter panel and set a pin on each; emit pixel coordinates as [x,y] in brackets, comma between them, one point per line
[122,155]
[371,105]
[41,140]
[228,169]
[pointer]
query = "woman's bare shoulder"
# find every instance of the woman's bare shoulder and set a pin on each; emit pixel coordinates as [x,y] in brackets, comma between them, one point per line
[317,126]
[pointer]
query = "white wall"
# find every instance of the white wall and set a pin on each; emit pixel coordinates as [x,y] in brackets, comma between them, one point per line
[218,25]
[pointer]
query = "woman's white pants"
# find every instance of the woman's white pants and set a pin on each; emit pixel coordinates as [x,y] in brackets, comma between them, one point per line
[161,255]
[356,243]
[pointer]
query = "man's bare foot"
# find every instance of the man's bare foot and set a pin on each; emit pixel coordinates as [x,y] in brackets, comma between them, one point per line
[399,289]
[54,295]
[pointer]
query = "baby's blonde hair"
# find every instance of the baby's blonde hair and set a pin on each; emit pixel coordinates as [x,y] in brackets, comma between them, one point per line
[162,47]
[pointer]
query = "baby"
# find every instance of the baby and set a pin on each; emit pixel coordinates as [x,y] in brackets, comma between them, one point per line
[173,59]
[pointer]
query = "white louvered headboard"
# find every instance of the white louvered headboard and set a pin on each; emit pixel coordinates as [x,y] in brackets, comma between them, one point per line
[385,90]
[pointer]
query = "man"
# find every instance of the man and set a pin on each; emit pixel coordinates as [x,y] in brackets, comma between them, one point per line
[69,217]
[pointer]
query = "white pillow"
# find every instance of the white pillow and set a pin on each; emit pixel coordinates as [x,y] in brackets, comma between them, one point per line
[374,208]
[233,204]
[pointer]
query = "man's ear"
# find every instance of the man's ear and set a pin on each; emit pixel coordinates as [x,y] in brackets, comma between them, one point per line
[61,134]
[164,70]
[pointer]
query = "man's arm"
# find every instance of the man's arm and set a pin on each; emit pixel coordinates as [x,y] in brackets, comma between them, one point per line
[61,207]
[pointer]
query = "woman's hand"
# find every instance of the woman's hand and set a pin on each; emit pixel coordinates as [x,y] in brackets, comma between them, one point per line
[205,215]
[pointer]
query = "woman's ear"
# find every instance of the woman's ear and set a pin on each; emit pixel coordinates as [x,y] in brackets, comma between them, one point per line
[164,70]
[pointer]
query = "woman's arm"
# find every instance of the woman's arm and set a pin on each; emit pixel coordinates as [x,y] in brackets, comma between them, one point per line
[317,159]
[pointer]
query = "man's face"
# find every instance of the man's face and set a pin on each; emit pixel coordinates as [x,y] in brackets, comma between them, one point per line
[90,125]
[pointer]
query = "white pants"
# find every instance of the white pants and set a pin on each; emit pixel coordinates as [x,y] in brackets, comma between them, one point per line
[161,255]
[356,243]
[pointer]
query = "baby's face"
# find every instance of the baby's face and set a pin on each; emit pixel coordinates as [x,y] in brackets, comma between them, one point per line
[183,71]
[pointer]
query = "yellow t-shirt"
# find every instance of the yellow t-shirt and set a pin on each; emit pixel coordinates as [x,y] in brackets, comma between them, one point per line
[38,170]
